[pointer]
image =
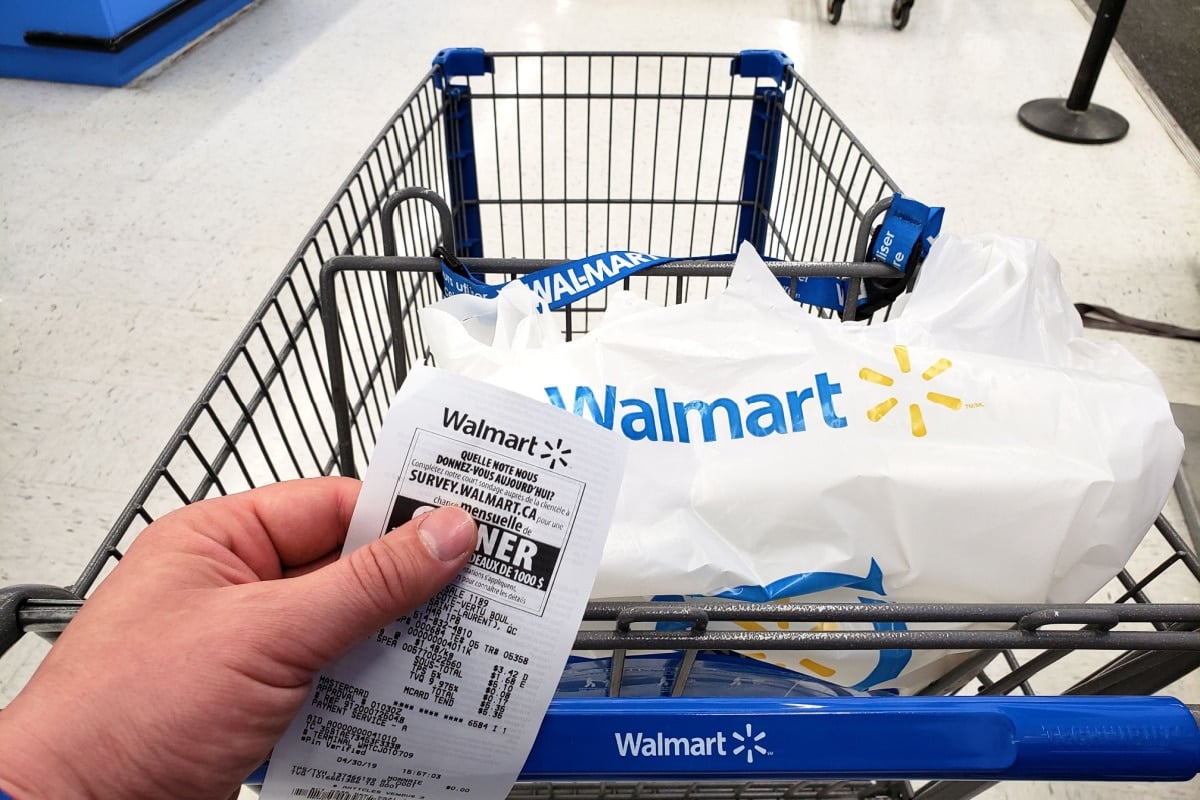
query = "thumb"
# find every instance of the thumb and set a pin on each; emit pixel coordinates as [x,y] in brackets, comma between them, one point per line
[342,603]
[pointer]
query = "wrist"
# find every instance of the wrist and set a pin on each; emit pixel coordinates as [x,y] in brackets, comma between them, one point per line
[32,767]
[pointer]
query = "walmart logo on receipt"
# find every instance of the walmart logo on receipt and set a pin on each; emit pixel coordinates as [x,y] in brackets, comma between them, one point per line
[557,453]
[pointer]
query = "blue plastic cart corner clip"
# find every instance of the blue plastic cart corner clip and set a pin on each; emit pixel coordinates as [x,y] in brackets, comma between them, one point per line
[455,62]
[773,64]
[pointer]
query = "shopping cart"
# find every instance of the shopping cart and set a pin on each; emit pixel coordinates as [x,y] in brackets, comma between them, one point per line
[512,161]
[900,12]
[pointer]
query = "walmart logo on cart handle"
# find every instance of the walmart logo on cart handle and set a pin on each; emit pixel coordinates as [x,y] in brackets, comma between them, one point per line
[739,744]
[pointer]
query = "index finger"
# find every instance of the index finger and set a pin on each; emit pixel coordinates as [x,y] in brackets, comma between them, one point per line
[279,526]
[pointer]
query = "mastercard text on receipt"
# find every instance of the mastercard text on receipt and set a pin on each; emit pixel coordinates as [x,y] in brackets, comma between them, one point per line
[446,701]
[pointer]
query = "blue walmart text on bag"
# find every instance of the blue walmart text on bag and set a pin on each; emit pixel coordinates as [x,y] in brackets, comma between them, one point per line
[667,420]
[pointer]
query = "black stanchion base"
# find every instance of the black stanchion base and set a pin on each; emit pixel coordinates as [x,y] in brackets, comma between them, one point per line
[1051,117]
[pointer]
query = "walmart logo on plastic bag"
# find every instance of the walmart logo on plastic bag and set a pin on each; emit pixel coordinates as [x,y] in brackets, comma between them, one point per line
[663,418]
[868,588]
[915,416]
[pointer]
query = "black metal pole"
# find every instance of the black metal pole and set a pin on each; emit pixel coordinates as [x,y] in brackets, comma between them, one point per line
[1103,31]
[1076,119]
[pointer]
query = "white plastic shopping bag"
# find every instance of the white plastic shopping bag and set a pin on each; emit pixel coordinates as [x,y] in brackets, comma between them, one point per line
[976,449]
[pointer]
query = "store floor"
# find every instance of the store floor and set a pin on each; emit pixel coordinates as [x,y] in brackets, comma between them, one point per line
[140,227]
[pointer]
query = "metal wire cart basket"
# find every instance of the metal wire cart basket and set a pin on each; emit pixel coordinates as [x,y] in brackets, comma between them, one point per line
[512,162]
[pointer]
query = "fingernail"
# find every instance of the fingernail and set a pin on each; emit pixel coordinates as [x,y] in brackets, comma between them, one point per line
[448,533]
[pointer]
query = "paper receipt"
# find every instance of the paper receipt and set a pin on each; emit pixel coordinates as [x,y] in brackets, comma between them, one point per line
[446,702]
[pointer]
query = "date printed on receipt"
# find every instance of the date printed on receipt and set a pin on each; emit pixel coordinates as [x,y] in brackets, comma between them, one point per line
[446,702]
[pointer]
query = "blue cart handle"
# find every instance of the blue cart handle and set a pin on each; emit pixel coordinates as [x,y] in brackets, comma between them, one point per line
[977,738]
[868,738]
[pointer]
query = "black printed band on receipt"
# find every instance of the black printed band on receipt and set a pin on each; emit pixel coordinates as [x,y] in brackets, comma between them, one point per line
[446,702]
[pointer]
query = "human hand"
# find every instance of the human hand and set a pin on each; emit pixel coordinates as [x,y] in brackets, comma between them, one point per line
[182,671]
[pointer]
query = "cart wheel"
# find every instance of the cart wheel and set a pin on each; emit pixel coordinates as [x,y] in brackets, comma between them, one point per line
[833,8]
[900,10]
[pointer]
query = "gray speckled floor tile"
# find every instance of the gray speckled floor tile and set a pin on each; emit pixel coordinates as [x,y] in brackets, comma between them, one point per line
[91,338]
[29,410]
[48,531]
[84,450]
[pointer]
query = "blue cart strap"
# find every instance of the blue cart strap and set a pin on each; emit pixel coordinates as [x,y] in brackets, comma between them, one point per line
[822,292]
[557,286]
[561,285]
[455,62]
[903,239]
[907,232]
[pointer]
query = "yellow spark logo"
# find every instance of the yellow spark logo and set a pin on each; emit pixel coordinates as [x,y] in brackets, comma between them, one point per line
[916,418]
